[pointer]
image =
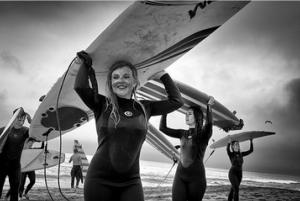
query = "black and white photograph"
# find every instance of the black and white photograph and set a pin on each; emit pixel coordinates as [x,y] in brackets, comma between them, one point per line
[150,100]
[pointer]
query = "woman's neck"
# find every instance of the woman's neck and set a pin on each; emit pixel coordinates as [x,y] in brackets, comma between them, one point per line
[192,126]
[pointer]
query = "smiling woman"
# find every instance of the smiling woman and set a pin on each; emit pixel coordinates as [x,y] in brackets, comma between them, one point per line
[122,81]
[121,121]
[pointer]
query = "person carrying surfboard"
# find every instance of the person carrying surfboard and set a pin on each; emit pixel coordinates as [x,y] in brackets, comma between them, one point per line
[30,174]
[236,172]
[121,122]
[76,171]
[190,180]
[10,155]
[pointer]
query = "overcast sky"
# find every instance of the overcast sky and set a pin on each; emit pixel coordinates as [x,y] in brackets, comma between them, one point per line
[251,65]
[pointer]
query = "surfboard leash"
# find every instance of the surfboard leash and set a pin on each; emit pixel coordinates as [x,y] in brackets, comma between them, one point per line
[59,128]
[163,180]
[211,153]
[45,164]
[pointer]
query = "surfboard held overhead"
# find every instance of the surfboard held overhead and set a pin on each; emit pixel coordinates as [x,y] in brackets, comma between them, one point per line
[240,137]
[151,35]
[222,117]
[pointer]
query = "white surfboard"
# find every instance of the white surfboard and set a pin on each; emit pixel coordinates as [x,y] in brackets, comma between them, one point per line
[222,117]
[34,159]
[151,35]
[7,128]
[84,160]
[156,139]
[240,137]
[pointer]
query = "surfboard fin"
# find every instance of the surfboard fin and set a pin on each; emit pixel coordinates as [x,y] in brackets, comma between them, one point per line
[42,98]
[177,146]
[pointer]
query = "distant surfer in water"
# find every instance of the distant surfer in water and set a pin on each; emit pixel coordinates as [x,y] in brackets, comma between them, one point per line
[76,171]
[121,122]
[190,180]
[10,154]
[236,172]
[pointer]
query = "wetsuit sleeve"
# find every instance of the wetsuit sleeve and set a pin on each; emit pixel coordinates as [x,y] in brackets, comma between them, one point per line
[84,90]
[71,159]
[208,125]
[176,133]
[1,130]
[228,150]
[27,133]
[43,145]
[173,102]
[245,153]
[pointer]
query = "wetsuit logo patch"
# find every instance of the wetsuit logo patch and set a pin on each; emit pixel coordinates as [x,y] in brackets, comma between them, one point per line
[128,113]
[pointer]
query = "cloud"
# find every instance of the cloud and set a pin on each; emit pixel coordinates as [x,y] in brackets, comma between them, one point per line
[293,89]
[287,116]
[282,149]
[5,113]
[9,61]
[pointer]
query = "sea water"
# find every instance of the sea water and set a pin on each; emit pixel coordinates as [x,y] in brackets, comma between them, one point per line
[155,174]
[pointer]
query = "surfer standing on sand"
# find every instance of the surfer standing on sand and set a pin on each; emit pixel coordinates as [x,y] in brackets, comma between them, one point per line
[121,122]
[30,174]
[76,171]
[10,154]
[190,180]
[236,172]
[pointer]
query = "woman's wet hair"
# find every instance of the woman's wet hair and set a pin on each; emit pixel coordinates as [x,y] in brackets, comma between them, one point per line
[198,116]
[21,114]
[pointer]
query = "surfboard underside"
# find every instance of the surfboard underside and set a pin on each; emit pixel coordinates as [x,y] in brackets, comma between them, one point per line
[150,35]
[38,160]
[241,137]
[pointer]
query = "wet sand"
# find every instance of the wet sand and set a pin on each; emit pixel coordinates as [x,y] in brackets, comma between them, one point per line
[213,193]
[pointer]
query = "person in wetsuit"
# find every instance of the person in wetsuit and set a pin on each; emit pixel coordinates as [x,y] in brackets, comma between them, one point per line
[190,180]
[121,123]
[30,174]
[11,148]
[76,171]
[236,171]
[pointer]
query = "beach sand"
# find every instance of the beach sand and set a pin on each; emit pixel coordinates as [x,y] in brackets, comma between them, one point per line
[213,193]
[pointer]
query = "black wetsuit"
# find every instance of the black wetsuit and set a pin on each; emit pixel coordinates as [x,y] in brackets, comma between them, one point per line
[76,173]
[76,170]
[190,180]
[31,177]
[114,172]
[10,160]
[236,171]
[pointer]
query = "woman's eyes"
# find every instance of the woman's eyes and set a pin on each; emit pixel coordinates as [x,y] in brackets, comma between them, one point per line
[126,76]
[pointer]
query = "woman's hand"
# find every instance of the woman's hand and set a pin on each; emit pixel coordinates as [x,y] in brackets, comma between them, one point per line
[157,75]
[211,101]
[85,58]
